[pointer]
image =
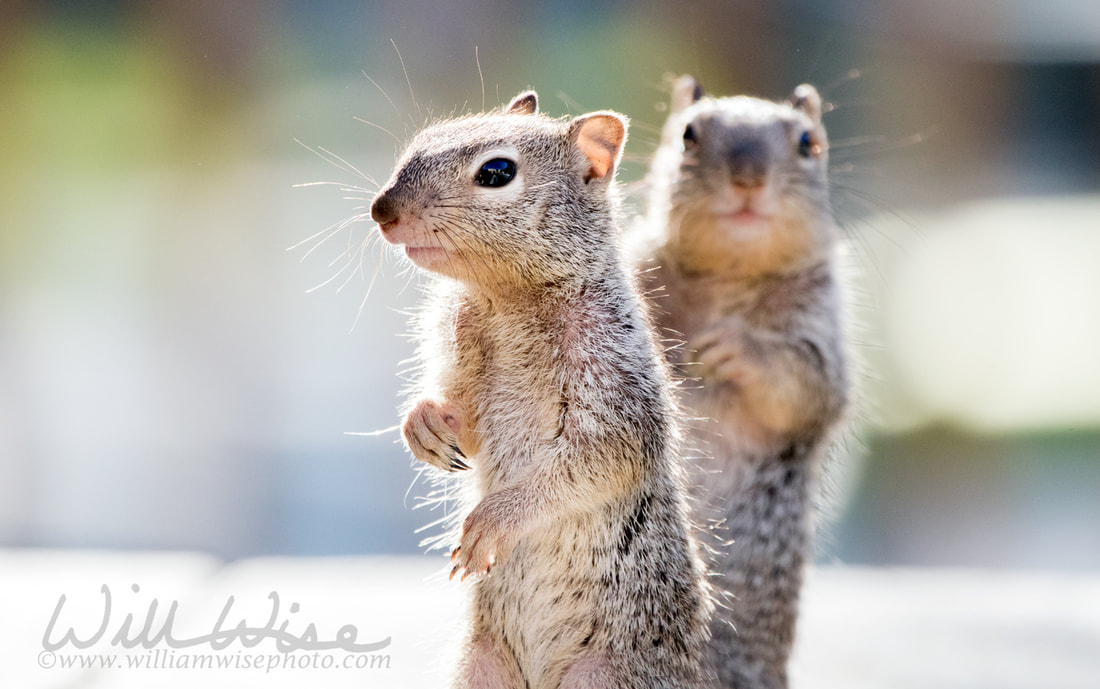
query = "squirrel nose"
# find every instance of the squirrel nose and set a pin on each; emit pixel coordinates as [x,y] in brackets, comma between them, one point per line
[383,210]
[748,164]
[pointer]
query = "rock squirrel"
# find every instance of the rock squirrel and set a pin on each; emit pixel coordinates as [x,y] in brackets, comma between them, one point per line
[738,249]
[540,373]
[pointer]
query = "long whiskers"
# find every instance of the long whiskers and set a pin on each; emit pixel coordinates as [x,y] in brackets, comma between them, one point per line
[463,248]
[849,76]
[378,126]
[351,259]
[338,162]
[384,94]
[370,288]
[335,228]
[408,81]
[480,76]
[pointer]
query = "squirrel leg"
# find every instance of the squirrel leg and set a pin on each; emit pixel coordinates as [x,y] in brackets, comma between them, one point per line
[487,667]
[431,432]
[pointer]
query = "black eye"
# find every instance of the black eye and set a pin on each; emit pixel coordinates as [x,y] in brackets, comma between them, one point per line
[806,145]
[496,173]
[689,136]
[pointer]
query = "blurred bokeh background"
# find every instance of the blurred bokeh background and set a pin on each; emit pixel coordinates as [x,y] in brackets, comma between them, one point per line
[169,381]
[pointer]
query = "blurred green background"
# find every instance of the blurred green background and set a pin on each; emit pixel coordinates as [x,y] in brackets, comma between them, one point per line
[167,382]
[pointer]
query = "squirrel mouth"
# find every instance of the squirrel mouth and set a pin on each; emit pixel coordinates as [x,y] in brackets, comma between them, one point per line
[744,214]
[424,254]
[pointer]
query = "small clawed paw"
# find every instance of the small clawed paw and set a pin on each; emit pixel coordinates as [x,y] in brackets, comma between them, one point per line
[431,437]
[480,545]
[721,354]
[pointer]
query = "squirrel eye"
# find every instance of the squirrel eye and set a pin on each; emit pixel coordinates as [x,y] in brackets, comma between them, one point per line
[806,147]
[496,173]
[689,135]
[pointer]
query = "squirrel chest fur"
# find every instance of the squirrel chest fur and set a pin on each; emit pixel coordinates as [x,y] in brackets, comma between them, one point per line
[540,377]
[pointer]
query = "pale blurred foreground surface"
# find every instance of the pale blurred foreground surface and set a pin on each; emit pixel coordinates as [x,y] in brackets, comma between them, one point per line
[861,628]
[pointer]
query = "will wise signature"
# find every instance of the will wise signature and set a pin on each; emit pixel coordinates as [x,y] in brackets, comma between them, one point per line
[128,635]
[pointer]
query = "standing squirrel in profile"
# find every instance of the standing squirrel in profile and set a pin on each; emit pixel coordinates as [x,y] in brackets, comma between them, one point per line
[542,376]
[739,249]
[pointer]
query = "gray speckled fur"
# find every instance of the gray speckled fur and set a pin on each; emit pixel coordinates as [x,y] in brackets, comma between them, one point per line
[777,388]
[537,338]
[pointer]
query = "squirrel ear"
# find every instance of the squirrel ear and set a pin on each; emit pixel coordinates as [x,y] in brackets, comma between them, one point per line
[806,99]
[600,137]
[685,91]
[526,103]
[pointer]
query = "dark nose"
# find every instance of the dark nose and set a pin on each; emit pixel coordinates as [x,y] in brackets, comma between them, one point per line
[384,209]
[748,165]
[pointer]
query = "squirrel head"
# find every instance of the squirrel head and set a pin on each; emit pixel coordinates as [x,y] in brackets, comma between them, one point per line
[745,173]
[507,198]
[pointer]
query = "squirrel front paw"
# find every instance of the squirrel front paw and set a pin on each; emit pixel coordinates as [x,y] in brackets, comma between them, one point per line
[727,353]
[431,432]
[488,534]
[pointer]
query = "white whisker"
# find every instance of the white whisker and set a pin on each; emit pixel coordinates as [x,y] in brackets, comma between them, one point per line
[378,126]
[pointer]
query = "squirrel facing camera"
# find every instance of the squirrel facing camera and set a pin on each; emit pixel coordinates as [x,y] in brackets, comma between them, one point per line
[740,243]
